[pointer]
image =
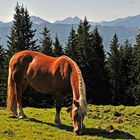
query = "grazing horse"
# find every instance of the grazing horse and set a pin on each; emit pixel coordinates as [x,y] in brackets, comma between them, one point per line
[49,75]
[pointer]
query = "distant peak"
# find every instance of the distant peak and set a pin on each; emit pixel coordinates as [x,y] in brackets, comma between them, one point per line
[69,20]
[76,17]
[38,20]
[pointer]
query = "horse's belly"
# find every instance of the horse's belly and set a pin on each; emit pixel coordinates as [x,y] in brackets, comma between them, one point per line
[47,83]
[42,84]
[44,89]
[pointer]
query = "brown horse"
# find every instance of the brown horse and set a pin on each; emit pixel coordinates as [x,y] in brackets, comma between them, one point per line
[49,75]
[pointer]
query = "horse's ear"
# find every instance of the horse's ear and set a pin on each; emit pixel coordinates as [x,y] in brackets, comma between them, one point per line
[76,103]
[69,109]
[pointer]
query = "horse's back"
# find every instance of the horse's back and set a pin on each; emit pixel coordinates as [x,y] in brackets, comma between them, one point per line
[19,57]
[25,57]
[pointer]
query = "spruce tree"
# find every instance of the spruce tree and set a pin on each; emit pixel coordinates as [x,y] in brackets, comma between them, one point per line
[3,76]
[71,48]
[135,85]
[46,42]
[91,59]
[83,38]
[98,74]
[58,50]
[98,43]
[21,38]
[29,32]
[21,34]
[83,42]
[126,57]
[93,70]
[114,66]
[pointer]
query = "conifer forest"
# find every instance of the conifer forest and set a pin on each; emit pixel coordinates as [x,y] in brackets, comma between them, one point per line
[111,77]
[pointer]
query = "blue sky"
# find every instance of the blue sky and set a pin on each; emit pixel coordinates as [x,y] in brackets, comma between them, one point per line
[52,10]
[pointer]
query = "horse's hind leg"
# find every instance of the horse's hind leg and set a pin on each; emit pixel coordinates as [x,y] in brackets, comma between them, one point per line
[58,99]
[11,99]
[18,78]
[20,89]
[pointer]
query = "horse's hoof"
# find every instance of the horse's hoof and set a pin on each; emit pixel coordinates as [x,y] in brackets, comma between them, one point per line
[22,117]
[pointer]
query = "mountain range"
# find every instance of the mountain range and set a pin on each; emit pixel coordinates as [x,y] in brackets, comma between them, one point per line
[125,28]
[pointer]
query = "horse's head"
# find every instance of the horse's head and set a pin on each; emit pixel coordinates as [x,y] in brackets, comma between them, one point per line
[77,117]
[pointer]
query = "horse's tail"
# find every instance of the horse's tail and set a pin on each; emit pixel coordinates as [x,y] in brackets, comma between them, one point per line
[11,91]
[78,87]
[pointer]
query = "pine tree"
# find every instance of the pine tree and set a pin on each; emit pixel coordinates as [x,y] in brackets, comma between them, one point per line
[126,55]
[113,66]
[83,58]
[1,55]
[96,76]
[58,50]
[46,42]
[3,77]
[91,59]
[71,48]
[135,85]
[21,34]
[98,43]
[93,70]
[83,38]
[29,32]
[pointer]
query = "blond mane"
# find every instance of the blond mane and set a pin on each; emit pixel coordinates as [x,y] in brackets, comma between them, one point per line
[82,89]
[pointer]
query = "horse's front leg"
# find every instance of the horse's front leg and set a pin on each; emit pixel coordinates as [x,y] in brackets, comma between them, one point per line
[21,113]
[58,109]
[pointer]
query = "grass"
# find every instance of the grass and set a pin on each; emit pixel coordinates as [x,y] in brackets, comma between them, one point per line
[102,122]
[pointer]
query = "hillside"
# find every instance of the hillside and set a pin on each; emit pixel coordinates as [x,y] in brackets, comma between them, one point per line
[102,122]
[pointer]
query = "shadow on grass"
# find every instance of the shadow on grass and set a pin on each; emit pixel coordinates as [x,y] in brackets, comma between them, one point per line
[63,126]
[116,134]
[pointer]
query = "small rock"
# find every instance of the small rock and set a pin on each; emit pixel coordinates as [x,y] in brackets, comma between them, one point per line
[98,127]
[109,128]
[119,120]
[117,114]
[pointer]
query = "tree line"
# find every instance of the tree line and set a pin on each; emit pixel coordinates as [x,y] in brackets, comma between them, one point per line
[111,77]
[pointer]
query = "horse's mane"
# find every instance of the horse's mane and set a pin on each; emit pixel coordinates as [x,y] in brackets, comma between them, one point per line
[82,90]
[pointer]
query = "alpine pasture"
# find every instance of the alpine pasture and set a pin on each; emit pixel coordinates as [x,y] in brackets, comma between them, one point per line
[102,122]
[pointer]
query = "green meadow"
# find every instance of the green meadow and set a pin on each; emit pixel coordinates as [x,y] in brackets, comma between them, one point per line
[102,122]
